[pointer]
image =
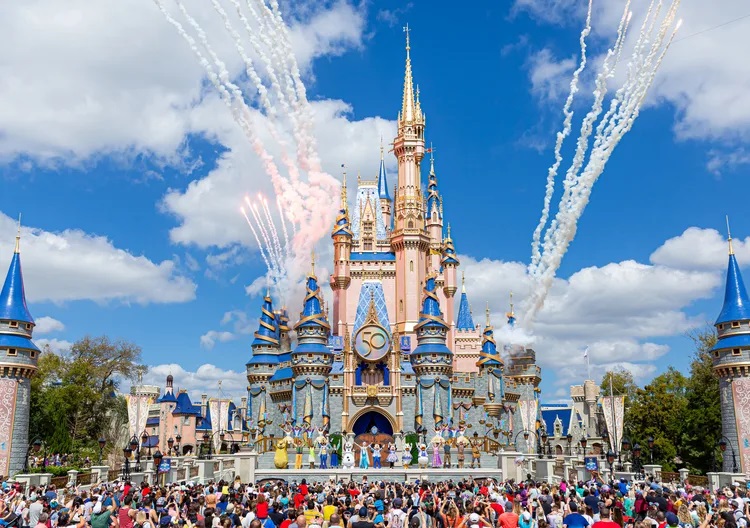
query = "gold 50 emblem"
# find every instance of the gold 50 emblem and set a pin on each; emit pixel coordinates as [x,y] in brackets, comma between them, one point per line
[372,342]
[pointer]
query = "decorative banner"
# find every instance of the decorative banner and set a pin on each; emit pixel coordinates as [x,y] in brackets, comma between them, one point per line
[8,388]
[528,413]
[405,343]
[138,406]
[491,388]
[420,410]
[223,415]
[165,465]
[213,407]
[336,343]
[437,408]
[262,414]
[741,396]
[308,410]
[326,409]
[613,408]
[592,463]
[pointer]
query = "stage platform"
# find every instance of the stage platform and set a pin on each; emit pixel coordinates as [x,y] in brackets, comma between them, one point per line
[374,475]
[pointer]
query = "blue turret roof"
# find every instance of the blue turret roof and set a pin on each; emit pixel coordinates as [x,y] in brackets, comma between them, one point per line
[205,422]
[434,202]
[465,320]
[13,298]
[736,302]
[267,338]
[383,180]
[449,251]
[168,397]
[431,320]
[489,356]
[17,341]
[314,338]
[185,406]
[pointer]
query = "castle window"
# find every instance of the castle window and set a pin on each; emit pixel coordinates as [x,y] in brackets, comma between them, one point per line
[735,324]
[721,326]
[410,224]
[13,324]
[716,353]
[400,306]
[736,352]
[28,326]
[411,265]
[12,351]
[186,420]
[33,354]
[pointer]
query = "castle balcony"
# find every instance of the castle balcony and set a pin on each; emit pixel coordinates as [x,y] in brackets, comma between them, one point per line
[380,394]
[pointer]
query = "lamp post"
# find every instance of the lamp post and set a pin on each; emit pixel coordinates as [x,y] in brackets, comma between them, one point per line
[611,461]
[569,440]
[526,434]
[157,462]
[584,442]
[723,442]
[126,466]
[102,443]
[650,442]
[134,447]
[178,441]
[170,445]
[637,466]
[545,444]
[145,441]
[625,449]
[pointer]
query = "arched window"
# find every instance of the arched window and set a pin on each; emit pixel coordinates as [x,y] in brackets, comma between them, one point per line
[411,265]
[410,224]
[400,306]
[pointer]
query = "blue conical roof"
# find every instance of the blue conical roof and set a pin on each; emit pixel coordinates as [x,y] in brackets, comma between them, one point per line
[736,302]
[489,355]
[13,298]
[383,181]
[268,329]
[433,196]
[431,321]
[205,422]
[312,328]
[465,320]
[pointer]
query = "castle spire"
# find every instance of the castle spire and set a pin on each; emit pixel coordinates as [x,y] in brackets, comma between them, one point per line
[729,235]
[736,302]
[511,315]
[489,356]
[13,296]
[465,320]
[382,176]
[268,332]
[408,109]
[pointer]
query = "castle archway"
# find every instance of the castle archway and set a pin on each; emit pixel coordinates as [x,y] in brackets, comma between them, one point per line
[374,426]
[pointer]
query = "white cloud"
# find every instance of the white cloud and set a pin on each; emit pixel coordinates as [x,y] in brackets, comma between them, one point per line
[550,78]
[124,81]
[720,161]
[703,76]
[618,310]
[47,325]
[58,346]
[210,338]
[73,265]
[204,380]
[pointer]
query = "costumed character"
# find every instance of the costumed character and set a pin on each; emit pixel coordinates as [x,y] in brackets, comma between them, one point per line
[311,455]
[364,455]
[392,456]
[376,451]
[334,454]
[299,446]
[461,443]
[423,458]
[280,457]
[348,458]
[437,443]
[406,455]
[476,453]
[321,443]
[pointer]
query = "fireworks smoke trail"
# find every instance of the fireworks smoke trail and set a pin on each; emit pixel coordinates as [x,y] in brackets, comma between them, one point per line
[564,133]
[648,54]
[272,229]
[255,234]
[283,223]
[264,234]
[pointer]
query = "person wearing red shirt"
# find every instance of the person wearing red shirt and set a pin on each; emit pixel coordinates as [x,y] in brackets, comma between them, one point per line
[604,520]
[495,505]
[303,489]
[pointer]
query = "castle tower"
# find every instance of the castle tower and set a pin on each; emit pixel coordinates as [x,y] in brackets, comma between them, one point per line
[18,362]
[731,358]
[409,240]
[491,364]
[342,250]
[312,360]
[449,263]
[434,219]
[385,198]
[265,346]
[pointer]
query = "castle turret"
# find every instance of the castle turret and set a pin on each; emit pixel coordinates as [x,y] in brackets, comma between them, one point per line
[18,362]
[431,357]
[312,357]
[265,345]
[385,198]
[168,396]
[342,250]
[731,359]
[489,356]
[285,346]
[434,217]
[465,321]
[449,263]
[409,240]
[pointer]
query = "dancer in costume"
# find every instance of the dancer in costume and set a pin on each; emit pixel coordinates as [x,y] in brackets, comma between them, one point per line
[376,452]
[447,453]
[437,462]
[299,447]
[392,456]
[311,455]
[406,455]
[364,458]
[334,454]
[280,457]
[476,453]
[322,444]
[423,458]
[461,443]
[348,458]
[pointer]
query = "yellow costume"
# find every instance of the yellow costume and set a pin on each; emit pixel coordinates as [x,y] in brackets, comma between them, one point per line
[280,458]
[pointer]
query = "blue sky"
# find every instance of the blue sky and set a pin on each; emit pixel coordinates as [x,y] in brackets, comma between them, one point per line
[129,172]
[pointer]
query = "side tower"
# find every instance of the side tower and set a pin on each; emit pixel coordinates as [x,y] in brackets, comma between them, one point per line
[264,361]
[409,239]
[432,362]
[312,361]
[342,250]
[491,367]
[18,362]
[731,358]
[385,197]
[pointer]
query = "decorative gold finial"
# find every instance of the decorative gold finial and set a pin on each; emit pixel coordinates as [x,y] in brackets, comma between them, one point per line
[449,232]
[381,147]
[359,178]
[487,313]
[312,263]
[344,204]
[380,273]
[463,281]
[18,235]
[511,313]
[729,237]
[406,30]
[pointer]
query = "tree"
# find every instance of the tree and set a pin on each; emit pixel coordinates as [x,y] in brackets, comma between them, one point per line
[74,399]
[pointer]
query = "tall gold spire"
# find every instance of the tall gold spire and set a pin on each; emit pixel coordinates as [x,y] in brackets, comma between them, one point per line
[381,147]
[408,111]
[312,263]
[729,237]
[487,314]
[432,160]
[511,313]
[463,281]
[18,235]
[344,203]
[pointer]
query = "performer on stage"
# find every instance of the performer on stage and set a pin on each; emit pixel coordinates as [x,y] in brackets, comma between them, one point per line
[437,462]
[348,458]
[461,443]
[376,449]
[476,453]
[392,456]
[280,457]
[299,446]
[322,443]
[334,454]
[364,459]
[406,455]
[423,458]
[447,453]
[311,455]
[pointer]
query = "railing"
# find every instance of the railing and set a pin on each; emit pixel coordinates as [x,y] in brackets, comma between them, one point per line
[193,471]
[229,464]
[83,479]
[113,474]
[59,482]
